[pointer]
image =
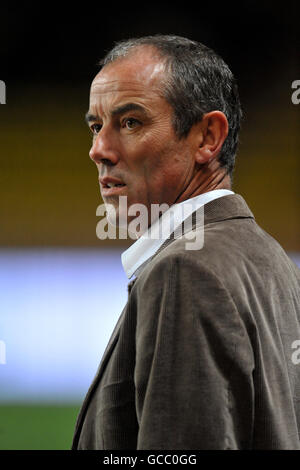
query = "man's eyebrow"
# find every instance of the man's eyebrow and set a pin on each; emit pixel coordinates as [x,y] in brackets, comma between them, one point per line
[124,108]
[128,107]
[90,118]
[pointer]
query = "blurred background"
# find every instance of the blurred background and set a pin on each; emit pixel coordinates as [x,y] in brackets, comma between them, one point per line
[58,296]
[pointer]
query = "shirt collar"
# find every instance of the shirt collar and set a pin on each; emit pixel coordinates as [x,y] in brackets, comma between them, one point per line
[135,258]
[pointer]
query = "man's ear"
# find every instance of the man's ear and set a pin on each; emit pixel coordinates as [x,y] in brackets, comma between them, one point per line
[214,130]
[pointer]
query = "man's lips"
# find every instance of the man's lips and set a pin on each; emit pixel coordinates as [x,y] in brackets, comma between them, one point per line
[111,186]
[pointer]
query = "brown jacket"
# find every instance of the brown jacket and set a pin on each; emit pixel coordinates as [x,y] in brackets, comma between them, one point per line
[202,354]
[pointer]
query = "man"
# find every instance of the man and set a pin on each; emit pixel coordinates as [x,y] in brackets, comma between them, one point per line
[202,354]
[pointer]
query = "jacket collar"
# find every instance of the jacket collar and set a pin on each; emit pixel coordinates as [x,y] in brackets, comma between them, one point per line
[230,207]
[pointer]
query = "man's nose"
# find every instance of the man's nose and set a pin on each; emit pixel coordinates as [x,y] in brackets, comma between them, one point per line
[104,148]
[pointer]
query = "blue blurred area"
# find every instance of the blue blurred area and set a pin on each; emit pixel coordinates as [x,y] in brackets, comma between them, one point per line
[58,310]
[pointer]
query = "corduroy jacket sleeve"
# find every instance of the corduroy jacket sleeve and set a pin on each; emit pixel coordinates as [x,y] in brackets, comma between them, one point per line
[194,360]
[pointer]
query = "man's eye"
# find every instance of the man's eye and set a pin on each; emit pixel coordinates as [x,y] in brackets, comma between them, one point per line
[95,128]
[130,123]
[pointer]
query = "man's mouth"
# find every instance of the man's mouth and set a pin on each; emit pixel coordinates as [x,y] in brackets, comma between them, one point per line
[114,185]
[111,186]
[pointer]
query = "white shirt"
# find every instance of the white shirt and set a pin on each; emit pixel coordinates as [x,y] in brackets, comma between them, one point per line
[135,257]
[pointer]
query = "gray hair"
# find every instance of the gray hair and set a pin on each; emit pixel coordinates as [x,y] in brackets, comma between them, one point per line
[198,81]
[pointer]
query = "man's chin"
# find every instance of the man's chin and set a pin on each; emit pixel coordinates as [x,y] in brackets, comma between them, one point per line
[134,219]
[116,219]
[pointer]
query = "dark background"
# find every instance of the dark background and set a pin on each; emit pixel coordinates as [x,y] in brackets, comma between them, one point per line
[49,57]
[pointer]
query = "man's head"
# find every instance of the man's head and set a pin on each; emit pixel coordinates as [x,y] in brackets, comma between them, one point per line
[165,115]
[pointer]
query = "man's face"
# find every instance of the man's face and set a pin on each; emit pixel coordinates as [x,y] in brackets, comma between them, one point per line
[134,143]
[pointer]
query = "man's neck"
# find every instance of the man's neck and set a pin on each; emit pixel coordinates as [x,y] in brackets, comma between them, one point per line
[210,178]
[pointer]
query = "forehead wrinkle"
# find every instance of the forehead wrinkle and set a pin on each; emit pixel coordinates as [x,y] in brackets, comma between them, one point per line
[115,85]
[121,86]
[121,98]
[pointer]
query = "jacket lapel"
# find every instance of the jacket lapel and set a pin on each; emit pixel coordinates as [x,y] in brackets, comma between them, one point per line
[105,358]
[106,355]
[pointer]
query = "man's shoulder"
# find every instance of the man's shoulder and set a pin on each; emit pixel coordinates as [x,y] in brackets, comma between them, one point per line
[235,247]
